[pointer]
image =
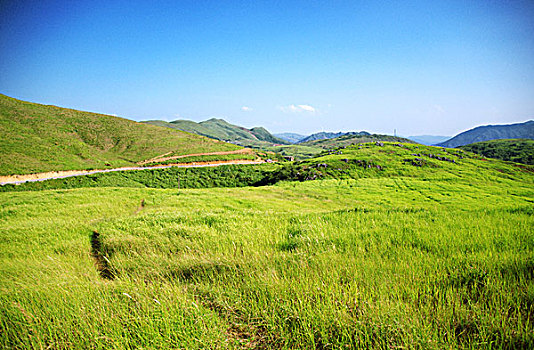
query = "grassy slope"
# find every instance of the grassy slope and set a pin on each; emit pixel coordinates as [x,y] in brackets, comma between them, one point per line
[222,130]
[183,125]
[346,140]
[297,151]
[262,134]
[197,128]
[39,138]
[353,162]
[492,132]
[432,256]
[517,150]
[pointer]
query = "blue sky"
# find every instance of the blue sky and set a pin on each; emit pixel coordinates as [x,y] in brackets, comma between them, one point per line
[421,67]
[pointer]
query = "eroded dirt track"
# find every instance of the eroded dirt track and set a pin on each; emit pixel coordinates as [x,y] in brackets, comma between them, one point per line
[17,179]
[163,158]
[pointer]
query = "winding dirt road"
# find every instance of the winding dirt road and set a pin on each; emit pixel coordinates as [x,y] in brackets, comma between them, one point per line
[163,158]
[18,179]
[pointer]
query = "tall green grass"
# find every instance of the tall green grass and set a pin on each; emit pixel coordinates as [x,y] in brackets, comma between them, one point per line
[441,257]
[367,160]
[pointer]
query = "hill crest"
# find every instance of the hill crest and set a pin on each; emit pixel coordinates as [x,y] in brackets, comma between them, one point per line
[41,138]
[492,132]
[220,129]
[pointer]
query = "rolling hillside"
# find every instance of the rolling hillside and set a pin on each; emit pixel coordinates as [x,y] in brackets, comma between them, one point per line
[220,129]
[363,160]
[351,139]
[331,135]
[518,150]
[492,132]
[40,138]
[393,246]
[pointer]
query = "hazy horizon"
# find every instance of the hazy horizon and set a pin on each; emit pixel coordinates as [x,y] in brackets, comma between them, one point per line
[422,68]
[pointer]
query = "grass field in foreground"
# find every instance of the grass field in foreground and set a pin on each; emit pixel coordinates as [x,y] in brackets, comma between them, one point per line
[443,259]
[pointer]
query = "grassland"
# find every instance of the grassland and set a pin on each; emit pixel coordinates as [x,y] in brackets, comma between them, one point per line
[220,129]
[349,140]
[420,252]
[38,138]
[207,158]
[515,150]
[177,177]
[299,152]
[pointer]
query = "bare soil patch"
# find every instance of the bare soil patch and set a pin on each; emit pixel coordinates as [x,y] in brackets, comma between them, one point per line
[162,158]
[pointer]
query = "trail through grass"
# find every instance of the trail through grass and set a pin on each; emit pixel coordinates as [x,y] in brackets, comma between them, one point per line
[364,263]
[432,256]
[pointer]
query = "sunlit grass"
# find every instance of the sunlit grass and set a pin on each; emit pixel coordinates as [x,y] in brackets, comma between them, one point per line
[438,258]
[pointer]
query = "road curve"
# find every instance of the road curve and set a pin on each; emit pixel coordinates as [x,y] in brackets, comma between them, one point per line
[19,179]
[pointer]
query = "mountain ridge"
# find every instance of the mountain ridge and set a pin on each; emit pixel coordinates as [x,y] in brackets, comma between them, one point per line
[428,140]
[331,135]
[349,139]
[220,129]
[523,130]
[290,136]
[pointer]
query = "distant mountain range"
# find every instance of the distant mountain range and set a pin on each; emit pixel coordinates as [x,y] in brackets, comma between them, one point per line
[290,137]
[222,130]
[492,132]
[351,138]
[331,135]
[259,137]
[298,138]
[428,140]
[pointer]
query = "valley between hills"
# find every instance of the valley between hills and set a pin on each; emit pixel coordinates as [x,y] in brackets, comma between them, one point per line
[355,241]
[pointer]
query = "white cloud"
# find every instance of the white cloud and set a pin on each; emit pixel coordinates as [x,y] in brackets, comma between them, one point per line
[298,109]
[307,108]
[246,109]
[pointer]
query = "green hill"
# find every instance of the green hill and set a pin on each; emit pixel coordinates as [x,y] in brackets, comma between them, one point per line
[492,132]
[222,130]
[263,135]
[320,141]
[378,160]
[185,125]
[366,160]
[40,138]
[351,139]
[392,245]
[331,135]
[517,150]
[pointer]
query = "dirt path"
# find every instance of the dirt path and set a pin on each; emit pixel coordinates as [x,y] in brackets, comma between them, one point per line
[162,158]
[18,179]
